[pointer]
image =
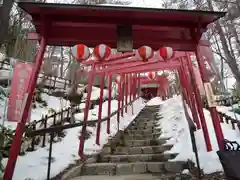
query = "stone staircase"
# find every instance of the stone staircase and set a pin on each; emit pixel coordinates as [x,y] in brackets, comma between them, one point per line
[134,154]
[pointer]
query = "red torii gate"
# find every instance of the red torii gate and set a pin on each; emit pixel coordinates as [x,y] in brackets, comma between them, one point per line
[67,25]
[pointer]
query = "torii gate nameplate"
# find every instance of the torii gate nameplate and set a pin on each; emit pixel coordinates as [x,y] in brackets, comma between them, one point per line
[124,38]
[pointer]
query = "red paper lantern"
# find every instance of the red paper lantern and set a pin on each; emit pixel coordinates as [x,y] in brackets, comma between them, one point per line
[80,52]
[151,75]
[102,52]
[144,53]
[166,52]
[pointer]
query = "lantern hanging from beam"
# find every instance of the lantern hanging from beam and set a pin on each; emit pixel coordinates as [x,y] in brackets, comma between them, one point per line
[166,52]
[80,52]
[102,52]
[151,75]
[144,53]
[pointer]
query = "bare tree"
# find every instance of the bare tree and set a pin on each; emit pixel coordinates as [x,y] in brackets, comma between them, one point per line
[4,19]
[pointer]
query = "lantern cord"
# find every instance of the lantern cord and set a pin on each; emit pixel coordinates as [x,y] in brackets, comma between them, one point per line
[7,93]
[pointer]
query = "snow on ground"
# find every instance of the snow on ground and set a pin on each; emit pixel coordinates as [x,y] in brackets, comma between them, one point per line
[53,103]
[96,93]
[174,125]
[5,74]
[93,113]
[34,164]
[228,110]
[155,101]
[2,56]
[146,3]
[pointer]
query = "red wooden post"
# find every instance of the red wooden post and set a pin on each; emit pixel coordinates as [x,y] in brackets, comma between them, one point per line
[16,144]
[126,90]
[158,89]
[213,110]
[163,93]
[182,77]
[199,105]
[182,85]
[100,109]
[87,105]
[119,101]
[130,86]
[122,90]
[136,86]
[139,85]
[191,94]
[109,101]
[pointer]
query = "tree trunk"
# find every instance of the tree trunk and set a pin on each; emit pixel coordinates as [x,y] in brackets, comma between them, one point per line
[62,61]
[233,32]
[4,19]
[230,60]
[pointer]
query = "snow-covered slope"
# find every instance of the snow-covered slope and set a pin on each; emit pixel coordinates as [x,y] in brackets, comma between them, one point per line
[174,125]
[65,152]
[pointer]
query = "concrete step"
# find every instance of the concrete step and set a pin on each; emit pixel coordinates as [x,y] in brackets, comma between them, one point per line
[138,143]
[140,136]
[142,150]
[137,158]
[131,168]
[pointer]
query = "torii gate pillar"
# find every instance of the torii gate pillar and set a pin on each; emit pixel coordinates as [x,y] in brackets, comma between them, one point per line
[212,106]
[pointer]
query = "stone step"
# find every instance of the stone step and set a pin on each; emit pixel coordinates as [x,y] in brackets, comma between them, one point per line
[148,176]
[153,110]
[137,158]
[148,131]
[141,122]
[142,128]
[137,143]
[152,106]
[154,123]
[148,119]
[147,114]
[134,128]
[148,111]
[131,168]
[117,177]
[142,150]
[140,136]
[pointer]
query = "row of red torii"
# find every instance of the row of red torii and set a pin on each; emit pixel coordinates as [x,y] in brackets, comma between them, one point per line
[144,60]
[128,66]
[102,52]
